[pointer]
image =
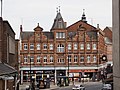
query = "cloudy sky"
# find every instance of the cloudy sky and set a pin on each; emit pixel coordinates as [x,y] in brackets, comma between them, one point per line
[30,12]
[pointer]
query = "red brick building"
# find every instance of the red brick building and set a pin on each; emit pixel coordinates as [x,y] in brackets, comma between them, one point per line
[78,46]
[7,56]
[108,42]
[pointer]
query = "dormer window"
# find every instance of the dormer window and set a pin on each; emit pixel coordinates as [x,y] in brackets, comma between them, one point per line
[60,24]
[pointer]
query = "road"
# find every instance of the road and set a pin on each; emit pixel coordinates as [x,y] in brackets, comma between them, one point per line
[88,86]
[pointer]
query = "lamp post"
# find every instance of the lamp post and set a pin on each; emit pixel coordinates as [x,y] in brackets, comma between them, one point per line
[30,70]
[71,34]
[68,65]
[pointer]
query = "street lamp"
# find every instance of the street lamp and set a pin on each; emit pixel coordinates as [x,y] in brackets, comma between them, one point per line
[30,70]
[71,34]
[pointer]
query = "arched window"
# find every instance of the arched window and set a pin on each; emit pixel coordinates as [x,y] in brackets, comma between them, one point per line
[94,46]
[88,59]
[60,48]
[88,46]
[69,46]
[82,46]
[81,59]
[38,59]
[51,59]
[75,46]
[25,59]
[38,46]
[51,46]
[94,59]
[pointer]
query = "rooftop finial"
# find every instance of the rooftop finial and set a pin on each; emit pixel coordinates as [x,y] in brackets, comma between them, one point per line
[59,8]
[21,28]
[83,11]
[38,24]
[83,16]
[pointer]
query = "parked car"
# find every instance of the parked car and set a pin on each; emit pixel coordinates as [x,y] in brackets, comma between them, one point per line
[107,87]
[78,87]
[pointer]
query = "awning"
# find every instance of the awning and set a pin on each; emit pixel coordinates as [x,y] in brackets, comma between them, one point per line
[77,71]
[6,69]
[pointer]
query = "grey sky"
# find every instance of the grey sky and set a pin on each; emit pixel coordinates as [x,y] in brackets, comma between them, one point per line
[30,12]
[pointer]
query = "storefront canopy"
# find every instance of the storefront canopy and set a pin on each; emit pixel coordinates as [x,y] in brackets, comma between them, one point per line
[6,69]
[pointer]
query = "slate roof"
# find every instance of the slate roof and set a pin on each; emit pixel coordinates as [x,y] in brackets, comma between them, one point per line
[92,34]
[49,35]
[58,22]
[6,69]
[26,35]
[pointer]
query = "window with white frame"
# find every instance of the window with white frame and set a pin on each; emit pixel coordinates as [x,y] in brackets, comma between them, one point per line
[31,59]
[51,46]
[81,59]
[60,60]
[69,58]
[45,46]
[82,46]
[60,48]
[51,59]
[75,46]
[31,46]
[88,46]
[45,59]
[88,59]
[75,58]
[60,35]
[69,46]
[38,46]
[94,59]
[38,59]
[25,46]
[94,46]
[25,59]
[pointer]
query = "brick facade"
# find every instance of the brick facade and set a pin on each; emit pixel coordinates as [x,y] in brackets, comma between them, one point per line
[60,37]
[108,42]
[7,43]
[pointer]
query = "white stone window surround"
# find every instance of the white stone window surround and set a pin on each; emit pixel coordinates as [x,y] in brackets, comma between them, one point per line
[25,46]
[38,46]
[31,46]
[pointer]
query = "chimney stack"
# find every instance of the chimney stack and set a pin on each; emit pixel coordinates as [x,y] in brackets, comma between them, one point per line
[21,29]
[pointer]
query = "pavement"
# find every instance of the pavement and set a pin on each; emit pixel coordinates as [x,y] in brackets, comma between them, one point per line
[52,86]
[26,85]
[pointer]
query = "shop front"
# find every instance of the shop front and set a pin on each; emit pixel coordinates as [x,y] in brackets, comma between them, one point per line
[80,75]
[37,74]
